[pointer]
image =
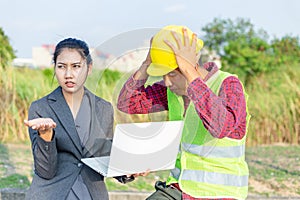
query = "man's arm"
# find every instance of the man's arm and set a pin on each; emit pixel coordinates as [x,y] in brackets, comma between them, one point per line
[223,115]
[134,98]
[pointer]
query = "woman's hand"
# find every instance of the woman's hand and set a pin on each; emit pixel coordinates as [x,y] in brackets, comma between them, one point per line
[44,126]
[146,173]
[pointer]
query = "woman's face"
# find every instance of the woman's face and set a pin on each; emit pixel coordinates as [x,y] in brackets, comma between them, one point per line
[71,70]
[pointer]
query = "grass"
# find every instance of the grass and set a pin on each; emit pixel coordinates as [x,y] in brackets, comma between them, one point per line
[14,181]
[15,166]
[274,170]
[274,101]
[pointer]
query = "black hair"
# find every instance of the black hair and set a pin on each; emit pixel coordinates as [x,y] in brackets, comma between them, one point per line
[72,43]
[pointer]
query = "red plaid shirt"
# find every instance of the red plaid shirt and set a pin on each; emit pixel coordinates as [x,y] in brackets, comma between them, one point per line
[223,115]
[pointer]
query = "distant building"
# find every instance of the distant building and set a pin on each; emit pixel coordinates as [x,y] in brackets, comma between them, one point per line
[24,62]
[43,55]
[128,61]
[41,58]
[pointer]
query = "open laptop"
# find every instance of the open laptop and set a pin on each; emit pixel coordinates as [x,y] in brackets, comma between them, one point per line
[138,147]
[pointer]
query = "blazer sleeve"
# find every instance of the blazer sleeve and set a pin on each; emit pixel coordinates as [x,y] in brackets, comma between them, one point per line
[44,153]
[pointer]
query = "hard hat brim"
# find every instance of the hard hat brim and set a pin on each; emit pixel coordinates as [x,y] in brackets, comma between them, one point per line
[155,69]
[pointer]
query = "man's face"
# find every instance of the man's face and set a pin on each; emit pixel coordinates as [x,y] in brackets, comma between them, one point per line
[176,82]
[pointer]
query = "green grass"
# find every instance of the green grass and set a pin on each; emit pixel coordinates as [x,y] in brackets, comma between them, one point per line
[14,181]
[15,166]
[274,101]
[268,162]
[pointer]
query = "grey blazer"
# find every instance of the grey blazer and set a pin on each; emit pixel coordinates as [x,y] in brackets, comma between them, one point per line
[57,163]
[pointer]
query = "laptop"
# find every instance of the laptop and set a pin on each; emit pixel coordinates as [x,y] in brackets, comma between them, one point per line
[140,147]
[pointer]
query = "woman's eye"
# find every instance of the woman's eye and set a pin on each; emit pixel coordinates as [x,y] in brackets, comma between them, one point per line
[76,66]
[60,66]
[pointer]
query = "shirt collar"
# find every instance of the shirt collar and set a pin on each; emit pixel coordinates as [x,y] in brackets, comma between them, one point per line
[212,68]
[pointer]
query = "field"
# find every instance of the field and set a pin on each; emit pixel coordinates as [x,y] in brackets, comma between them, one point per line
[273,135]
[274,171]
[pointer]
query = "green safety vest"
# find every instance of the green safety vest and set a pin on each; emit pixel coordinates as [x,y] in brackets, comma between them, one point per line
[208,167]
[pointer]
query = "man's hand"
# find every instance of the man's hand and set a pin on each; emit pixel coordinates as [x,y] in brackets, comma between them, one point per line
[141,74]
[44,126]
[186,54]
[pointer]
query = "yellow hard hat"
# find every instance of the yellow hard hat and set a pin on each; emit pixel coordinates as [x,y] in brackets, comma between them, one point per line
[162,56]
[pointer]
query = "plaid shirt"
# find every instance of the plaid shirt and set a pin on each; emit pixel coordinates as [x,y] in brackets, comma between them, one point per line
[223,115]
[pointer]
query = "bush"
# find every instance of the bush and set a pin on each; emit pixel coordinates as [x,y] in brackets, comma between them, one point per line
[6,51]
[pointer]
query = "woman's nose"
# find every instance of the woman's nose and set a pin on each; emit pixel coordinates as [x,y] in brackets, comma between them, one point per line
[68,73]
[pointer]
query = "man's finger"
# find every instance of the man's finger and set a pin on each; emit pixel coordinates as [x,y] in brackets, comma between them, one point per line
[185,37]
[177,39]
[194,41]
[171,45]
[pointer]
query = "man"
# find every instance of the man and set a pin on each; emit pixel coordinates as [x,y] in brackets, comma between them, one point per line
[211,161]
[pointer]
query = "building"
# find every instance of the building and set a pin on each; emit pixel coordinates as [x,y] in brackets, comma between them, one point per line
[41,58]
[43,55]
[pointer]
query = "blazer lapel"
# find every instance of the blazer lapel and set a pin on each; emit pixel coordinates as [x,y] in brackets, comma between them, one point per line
[63,113]
[89,148]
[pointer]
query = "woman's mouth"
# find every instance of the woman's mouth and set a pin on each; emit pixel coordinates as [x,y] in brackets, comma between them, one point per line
[69,84]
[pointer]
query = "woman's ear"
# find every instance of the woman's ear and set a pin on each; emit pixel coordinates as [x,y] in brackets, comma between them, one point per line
[90,68]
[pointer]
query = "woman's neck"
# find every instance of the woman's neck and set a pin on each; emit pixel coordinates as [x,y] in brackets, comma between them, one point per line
[74,101]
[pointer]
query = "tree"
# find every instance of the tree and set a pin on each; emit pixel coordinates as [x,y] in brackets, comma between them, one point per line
[242,49]
[286,50]
[248,52]
[6,51]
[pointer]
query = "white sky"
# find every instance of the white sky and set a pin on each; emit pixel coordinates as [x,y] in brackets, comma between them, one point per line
[35,22]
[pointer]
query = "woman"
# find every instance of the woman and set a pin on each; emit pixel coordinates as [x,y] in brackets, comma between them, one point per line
[69,124]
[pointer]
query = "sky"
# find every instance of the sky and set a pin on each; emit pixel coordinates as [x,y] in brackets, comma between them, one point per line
[33,23]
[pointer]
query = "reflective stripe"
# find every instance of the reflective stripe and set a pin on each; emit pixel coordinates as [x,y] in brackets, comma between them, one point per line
[215,178]
[215,151]
[175,173]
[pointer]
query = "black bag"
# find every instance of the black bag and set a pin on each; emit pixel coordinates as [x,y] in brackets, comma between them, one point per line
[164,192]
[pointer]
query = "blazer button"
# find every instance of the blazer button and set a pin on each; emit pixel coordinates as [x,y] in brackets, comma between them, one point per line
[46,147]
[79,165]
